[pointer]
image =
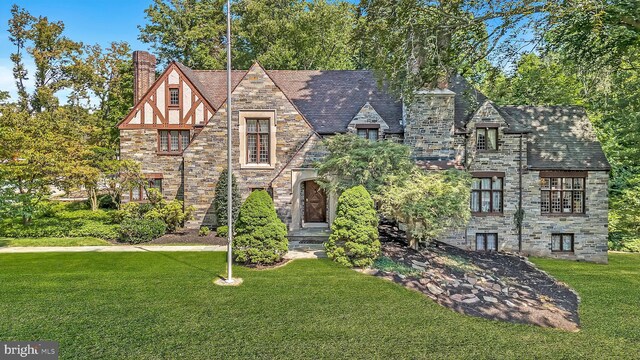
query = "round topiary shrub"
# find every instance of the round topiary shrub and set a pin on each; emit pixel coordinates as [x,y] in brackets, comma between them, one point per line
[354,233]
[261,237]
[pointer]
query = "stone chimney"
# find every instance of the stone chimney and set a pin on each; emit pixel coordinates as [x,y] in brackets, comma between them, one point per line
[144,73]
[429,124]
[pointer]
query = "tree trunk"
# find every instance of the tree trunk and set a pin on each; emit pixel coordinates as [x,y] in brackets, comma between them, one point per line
[26,219]
[93,198]
[413,242]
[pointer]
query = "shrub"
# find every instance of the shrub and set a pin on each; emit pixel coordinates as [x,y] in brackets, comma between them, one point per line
[220,199]
[130,210]
[136,231]
[63,220]
[171,213]
[222,231]
[631,246]
[261,237]
[431,204]
[354,233]
[204,231]
[95,229]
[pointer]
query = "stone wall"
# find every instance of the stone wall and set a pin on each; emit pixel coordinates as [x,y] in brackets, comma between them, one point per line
[429,127]
[206,156]
[505,160]
[589,229]
[141,145]
[368,116]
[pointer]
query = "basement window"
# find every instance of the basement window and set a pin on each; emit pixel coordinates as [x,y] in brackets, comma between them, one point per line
[487,242]
[562,242]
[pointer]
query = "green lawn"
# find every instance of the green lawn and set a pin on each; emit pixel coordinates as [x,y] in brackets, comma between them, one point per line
[164,305]
[52,241]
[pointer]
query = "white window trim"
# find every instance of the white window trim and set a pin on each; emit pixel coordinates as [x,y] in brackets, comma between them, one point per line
[242,130]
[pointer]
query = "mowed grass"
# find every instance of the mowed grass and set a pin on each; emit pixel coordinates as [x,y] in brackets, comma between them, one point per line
[164,305]
[53,241]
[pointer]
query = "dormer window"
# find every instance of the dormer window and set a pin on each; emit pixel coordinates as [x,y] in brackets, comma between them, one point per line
[486,138]
[174,97]
[368,131]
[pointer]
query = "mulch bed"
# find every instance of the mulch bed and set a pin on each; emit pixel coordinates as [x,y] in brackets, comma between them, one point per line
[189,236]
[496,286]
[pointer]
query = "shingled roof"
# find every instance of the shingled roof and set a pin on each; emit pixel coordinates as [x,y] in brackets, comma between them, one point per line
[328,99]
[562,138]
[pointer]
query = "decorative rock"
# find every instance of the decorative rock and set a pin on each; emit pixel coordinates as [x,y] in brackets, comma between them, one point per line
[496,287]
[457,297]
[490,299]
[474,291]
[509,303]
[467,286]
[419,263]
[515,295]
[418,267]
[472,300]
[472,280]
[435,289]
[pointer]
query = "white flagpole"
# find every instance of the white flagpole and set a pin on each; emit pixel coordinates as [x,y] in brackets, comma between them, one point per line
[229,169]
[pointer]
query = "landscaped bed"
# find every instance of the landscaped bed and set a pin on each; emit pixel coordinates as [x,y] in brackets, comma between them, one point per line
[164,305]
[484,284]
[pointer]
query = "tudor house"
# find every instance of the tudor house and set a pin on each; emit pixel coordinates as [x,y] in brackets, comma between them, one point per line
[544,160]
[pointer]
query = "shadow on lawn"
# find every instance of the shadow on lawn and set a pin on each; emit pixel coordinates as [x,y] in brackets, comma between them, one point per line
[171,257]
[4,243]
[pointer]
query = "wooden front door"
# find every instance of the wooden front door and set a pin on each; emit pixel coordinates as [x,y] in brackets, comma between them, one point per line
[315,203]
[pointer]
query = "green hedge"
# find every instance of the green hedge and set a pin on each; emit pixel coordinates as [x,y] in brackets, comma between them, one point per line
[261,237]
[63,220]
[136,231]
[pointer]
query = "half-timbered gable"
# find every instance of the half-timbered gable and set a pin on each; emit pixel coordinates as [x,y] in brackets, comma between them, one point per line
[173,102]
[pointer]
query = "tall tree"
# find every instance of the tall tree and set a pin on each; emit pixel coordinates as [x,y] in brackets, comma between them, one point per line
[536,80]
[38,151]
[597,31]
[53,53]
[190,31]
[296,34]
[419,43]
[103,81]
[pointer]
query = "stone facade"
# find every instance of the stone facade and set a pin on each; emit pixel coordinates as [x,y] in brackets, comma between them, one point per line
[589,229]
[430,129]
[368,116]
[206,156]
[429,125]
[141,145]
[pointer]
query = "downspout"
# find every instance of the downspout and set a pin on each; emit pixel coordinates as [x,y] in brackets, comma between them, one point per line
[520,211]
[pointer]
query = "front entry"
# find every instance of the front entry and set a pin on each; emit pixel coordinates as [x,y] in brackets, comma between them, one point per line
[315,203]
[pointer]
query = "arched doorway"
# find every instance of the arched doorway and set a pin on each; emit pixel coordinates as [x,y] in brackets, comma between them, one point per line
[315,203]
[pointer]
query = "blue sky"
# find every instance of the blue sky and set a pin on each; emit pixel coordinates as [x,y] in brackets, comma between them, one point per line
[89,21]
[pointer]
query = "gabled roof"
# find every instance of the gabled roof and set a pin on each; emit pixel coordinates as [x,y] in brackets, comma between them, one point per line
[330,99]
[468,99]
[562,138]
[327,99]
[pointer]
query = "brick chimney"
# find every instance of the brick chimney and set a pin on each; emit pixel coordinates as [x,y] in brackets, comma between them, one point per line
[144,73]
